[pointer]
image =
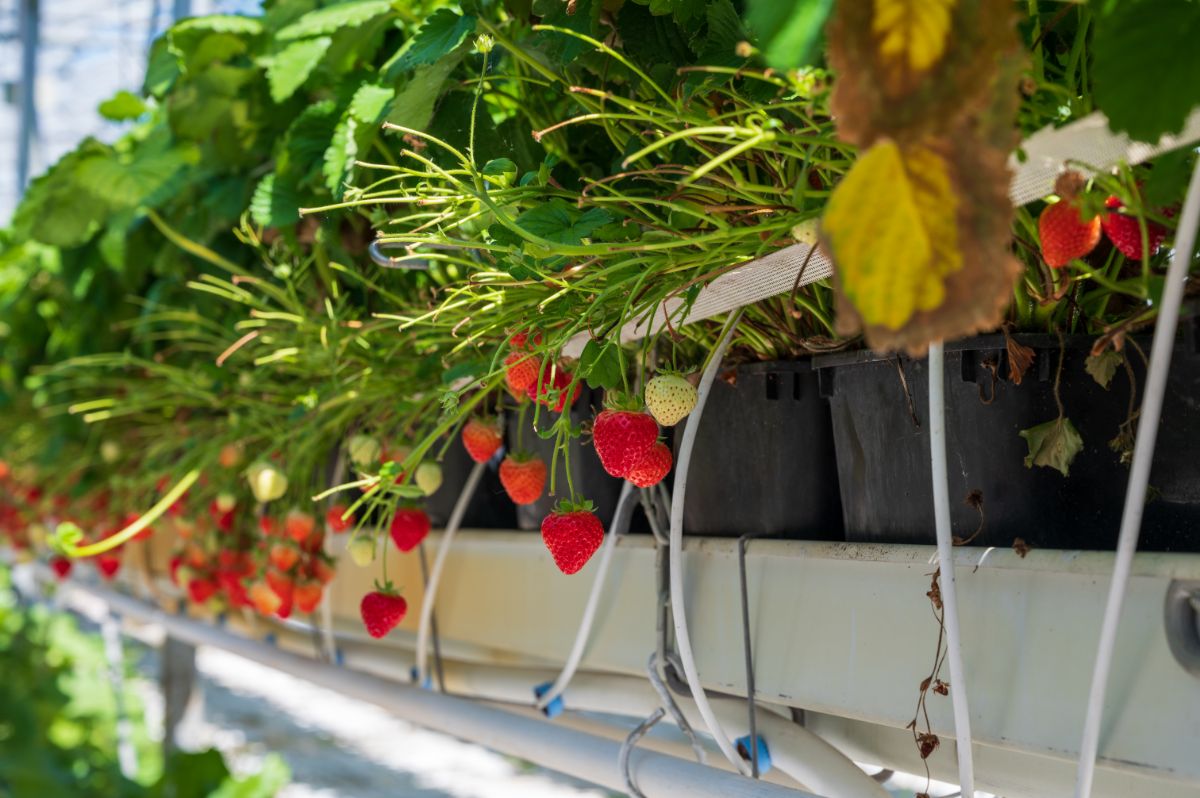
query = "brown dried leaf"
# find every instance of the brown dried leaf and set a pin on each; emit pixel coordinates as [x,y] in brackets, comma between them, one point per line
[1020,358]
[1021,547]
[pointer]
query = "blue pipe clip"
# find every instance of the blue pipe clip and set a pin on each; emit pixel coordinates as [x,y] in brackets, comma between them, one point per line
[764,754]
[414,675]
[555,707]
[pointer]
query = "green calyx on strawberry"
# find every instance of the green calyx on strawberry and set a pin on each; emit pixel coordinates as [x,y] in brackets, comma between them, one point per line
[382,610]
[1125,233]
[572,533]
[623,438]
[670,398]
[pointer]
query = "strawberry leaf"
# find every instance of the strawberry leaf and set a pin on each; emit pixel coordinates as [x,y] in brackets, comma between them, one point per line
[1103,366]
[600,364]
[1053,445]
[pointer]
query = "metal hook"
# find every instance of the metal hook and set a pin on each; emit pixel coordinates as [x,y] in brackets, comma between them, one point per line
[410,261]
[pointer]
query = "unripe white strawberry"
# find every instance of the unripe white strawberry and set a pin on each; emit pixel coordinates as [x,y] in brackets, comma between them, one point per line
[364,451]
[669,398]
[362,551]
[267,483]
[428,478]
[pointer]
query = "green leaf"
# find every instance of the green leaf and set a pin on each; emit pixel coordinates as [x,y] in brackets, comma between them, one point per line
[788,33]
[1146,66]
[370,102]
[1053,445]
[441,34]
[340,155]
[600,364]
[334,18]
[127,184]
[1168,178]
[413,106]
[562,223]
[162,68]
[1103,366]
[275,203]
[273,776]
[121,106]
[290,67]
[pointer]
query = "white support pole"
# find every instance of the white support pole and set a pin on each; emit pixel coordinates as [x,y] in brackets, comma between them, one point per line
[945,548]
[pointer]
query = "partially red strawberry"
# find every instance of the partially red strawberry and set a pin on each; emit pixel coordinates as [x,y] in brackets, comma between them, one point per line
[481,438]
[520,372]
[572,533]
[652,468]
[409,528]
[299,525]
[322,571]
[523,477]
[622,439]
[269,526]
[264,599]
[307,596]
[552,390]
[201,590]
[282,585]
[336,522]
[61,567]
[1126,234]
[1064,232]
[382,612]
[283,556]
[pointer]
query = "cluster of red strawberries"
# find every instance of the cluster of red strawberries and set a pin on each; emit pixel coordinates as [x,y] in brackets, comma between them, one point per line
[1068,230]
[384,608]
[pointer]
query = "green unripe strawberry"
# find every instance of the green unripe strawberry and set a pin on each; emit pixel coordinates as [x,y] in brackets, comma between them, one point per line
[364,450]
[362,551]
[669,398]
[267,483]
[428,478]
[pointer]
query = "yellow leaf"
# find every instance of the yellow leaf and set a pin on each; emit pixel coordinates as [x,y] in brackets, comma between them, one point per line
[891,228]
[912,34]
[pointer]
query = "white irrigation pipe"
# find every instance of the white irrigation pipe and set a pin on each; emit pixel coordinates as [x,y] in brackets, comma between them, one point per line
[618,527]
[945,548]
[439,564]
[683,639]
[1139,476]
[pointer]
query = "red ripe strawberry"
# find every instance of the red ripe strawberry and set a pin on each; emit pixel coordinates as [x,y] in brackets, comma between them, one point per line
[235,591]
[299,525]
[518,340]
[572,534]
[269,526]
[201,590]
[523,478]
[622,439]
[264,599]
[653,467]
[481,439]
[409,528]
[382,612]
[308,596]
[282,585]
[283,556]
[520,372]
[315,542]
[108,564]
[173,568]
[1064,233]
[335,521]
[61,567]
[1125,233]
[553,389]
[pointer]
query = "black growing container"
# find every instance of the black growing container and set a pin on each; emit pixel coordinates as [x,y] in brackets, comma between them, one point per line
[590,479]
[763,461]
[881,430]
[489,507]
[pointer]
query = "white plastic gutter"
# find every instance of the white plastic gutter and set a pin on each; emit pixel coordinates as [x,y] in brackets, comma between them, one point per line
[582,755]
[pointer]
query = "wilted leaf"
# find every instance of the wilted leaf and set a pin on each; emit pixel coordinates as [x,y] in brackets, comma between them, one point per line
[890,226]
[909,68]
[1053,445]
[1103,366]
[1020,358]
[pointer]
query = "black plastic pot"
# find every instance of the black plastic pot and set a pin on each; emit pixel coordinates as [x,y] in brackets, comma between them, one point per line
[590,479]
[489,507]
[763,458]
[881,429]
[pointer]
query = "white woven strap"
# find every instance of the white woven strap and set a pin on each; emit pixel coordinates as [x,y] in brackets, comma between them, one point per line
[1086,143]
